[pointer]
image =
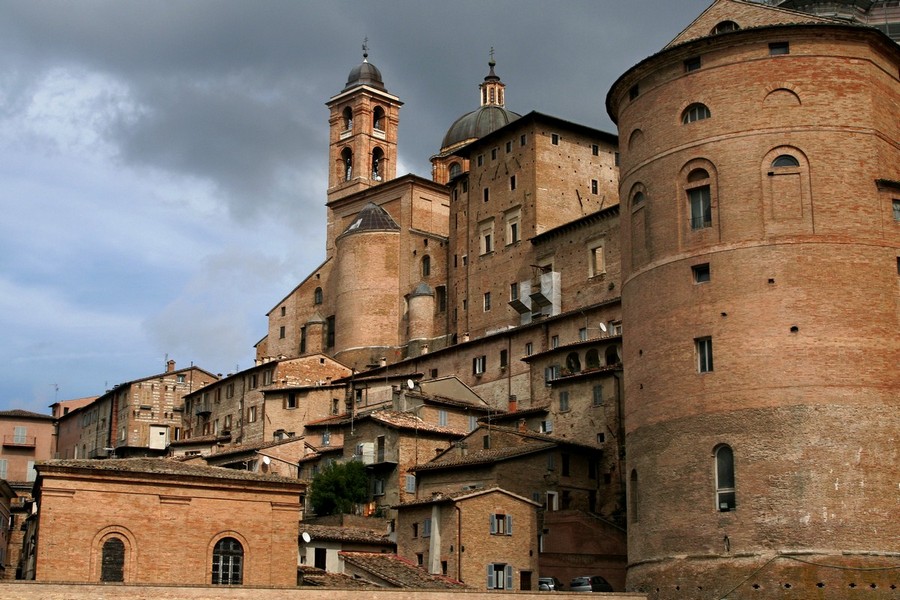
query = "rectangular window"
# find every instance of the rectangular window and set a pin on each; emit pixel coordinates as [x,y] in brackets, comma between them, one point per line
[512,182]
[480,160]
[564,467]
[487,301]
[486,194]
[529,349]
[564,401]
[504,359]
[442,417]
[283,311]
[426,528]
[329,332]
[253,383]
[20,434]
[582,334]
[512,226]
[704,354]
[692,64]
[522,139]
[513,291]
[251,414]
[554,341]
[410,486]
[595,186]
[896,209]
[701,273]
[228,422]
[290,401]
[617,159]
[30,473]
[378,487]
[554,139]
[473,422]
[597,395]
[326,438]
[508,147]
[701,210]
[478,365]
[597,262]
[465,187]
[776,48]
[267,377]
[229,390]
[595,150]
[551,373]
[501,524]
[486,235]
[181,378]
[546,426]
[499,576]
[493,154]
[441,292]
[415,530]
[633,92]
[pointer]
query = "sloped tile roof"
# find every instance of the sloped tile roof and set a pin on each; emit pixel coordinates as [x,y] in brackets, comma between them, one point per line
[392,418]
[313,577]
[398,571]
[482,457]
[18,413]
[345,534]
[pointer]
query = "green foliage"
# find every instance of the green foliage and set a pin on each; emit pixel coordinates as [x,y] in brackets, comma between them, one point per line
[338,487]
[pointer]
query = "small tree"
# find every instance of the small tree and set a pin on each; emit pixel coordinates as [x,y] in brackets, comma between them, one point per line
[338,487]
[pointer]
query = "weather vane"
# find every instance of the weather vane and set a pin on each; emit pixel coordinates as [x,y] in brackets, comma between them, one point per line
[365,47]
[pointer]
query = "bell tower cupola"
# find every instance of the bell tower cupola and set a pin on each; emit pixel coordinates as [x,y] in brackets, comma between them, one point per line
[363,121]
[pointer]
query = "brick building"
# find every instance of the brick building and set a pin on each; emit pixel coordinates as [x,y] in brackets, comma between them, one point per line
[760,185]
[159,521]
[484,538]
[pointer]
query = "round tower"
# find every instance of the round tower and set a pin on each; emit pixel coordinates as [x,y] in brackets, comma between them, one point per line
[760,193]
[367,309]
[421,316]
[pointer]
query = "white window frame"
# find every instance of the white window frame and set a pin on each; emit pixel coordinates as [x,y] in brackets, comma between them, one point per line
[704,350]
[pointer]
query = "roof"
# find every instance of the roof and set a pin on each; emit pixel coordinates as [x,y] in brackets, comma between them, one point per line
[391,418]
[245,448]
[591,219]
[518,414]
[478,123]
[442,497]
[398,571]
[313,577]
[372,218]
[18,413]
[159,466]
[485,457]
[345,534]
[365,73]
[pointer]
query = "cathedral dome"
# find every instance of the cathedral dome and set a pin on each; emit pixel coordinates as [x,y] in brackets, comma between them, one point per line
[478,123]
[487,118]
[365,74]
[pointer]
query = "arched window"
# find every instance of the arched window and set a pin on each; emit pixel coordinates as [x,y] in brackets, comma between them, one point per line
[637,199]
[377,160]
[426,266]
[455,169]
[347,161]
[112,561]
[724,27]
[612,355]
[695,112]
[228,562]
[317,296]
[785,160]
[633,496]
[348,119]
[573,363]
[378,118]
[699,199]
[592,359]
[725,500]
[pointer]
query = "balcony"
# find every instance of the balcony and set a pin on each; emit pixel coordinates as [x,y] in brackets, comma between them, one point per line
[19,441]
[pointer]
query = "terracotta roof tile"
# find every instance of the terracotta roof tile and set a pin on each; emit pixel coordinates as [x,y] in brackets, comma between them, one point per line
[345,534]
[481,457]
[398,571]
[18,413]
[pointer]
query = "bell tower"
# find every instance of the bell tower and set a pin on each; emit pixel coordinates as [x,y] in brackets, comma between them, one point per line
[363,121]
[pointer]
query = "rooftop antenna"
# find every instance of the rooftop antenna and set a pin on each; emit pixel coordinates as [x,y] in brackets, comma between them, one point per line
[55,392]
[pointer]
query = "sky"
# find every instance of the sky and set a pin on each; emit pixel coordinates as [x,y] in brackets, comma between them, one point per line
[163,164]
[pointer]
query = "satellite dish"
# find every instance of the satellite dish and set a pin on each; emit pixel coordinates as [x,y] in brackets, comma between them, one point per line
[306,537]
[603,327]
[411,384]
[266,460]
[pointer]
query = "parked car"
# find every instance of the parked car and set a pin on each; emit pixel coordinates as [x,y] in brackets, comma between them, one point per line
[549,584]
[590,583]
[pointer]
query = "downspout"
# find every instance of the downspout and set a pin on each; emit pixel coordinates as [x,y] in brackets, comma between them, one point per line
[458,542]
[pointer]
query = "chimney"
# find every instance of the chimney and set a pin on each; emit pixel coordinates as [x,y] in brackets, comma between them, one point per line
[383,361]
[513,403]
[170,366]
[521,426]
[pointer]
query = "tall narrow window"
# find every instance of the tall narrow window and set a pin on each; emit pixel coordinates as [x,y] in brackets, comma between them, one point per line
[725,500]
[896,204]
[348,119]
[377,164]
[554,139]
[633,496]
[228,562]
[329,332]
[112,562]
[317,296]
[347,160]
[704,354]
[426,266]
[487,301]
[699,199]
[378,119]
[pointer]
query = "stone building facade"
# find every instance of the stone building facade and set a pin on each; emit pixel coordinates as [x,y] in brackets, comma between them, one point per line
[760,185]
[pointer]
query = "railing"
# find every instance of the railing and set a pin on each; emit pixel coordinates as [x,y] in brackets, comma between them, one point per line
[19,440]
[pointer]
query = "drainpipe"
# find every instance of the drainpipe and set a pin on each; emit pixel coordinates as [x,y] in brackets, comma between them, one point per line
[458,542]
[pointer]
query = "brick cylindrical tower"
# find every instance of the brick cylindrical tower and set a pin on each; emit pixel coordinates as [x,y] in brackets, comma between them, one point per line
[367,308]
[760,193]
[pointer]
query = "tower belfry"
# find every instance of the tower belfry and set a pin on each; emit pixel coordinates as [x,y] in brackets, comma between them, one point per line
[363,123]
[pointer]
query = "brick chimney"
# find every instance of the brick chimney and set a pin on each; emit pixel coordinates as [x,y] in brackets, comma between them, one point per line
[513,403]
[170,366]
